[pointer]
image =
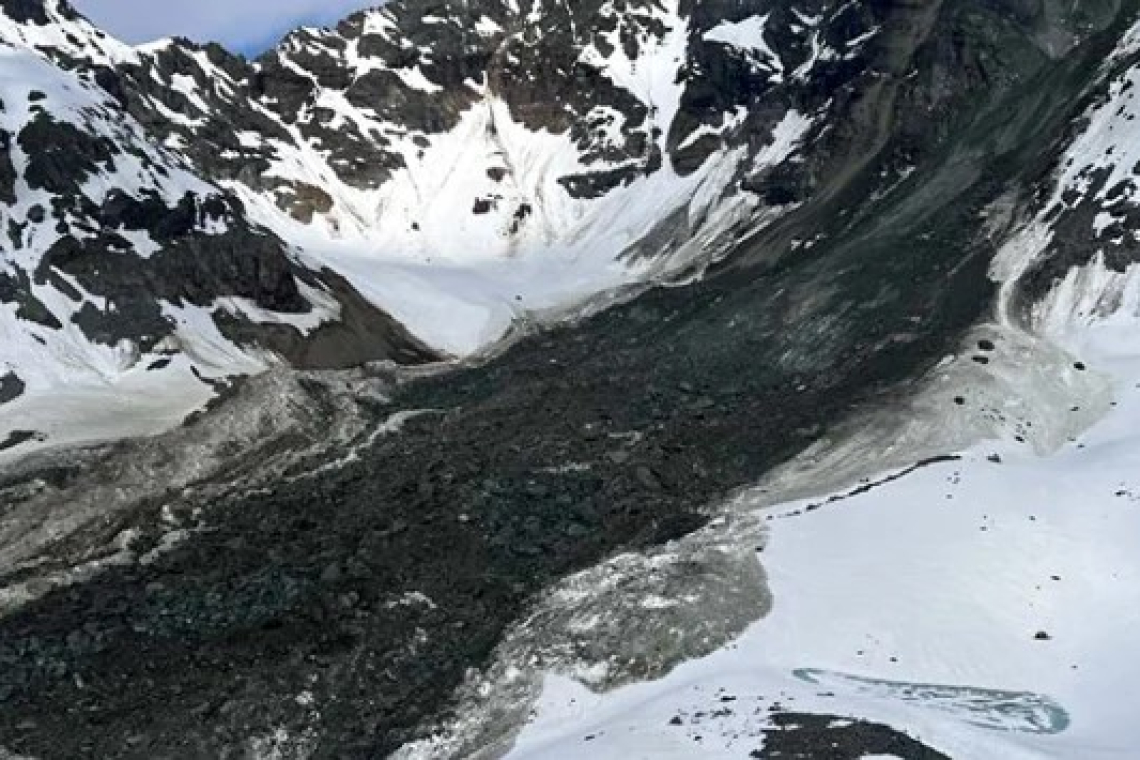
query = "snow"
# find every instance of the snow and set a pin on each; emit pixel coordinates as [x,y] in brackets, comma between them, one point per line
[654,76]
[786,137]
[412,76]
[81,392]
[415,246]
[916,602]
[92,411]
[380,22]
[325,309]
[748,35]
[1109,144]
[987,604]
[487,26]
[141,242]
[186,85]
[460,280]
[76,39]
[78,390]
[474,234]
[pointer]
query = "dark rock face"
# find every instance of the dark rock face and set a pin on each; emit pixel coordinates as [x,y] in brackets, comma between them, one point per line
[25,11]
[800,736]
[1075,227]
[17,437]
[412,72]
[552,69]
[16,288]
[7,169]
[61,156]
[362,334]
[301,593]
[11,387]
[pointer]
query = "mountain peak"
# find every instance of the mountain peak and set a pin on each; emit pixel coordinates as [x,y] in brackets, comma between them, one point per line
[39,12]
[55,29]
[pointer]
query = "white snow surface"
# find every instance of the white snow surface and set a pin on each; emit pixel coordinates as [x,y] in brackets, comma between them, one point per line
[459,278]
[748,35]
[79,390]
[460,285]
[77,38]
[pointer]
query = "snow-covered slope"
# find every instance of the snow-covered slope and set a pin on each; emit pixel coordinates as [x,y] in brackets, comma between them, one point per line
[472,166]
[61,340]
[985,603]
[131,287]
[465,169]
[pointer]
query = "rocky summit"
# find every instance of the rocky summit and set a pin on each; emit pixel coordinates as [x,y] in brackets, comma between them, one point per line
[358,398]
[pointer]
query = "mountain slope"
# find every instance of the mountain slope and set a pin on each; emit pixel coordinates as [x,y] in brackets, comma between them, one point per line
[486,150]
[467,169]
[125,274]
[342,565]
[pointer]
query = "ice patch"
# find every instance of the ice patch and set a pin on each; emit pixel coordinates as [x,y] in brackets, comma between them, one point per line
[748,35]
[986,708]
